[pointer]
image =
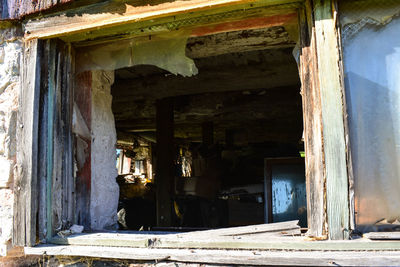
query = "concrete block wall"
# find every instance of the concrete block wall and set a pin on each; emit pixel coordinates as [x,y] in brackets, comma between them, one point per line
[10,60]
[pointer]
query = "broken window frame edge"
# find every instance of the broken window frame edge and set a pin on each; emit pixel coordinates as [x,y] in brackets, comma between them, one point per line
[307,22]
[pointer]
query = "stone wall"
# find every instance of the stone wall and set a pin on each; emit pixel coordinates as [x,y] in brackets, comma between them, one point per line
[104,190]
[10,59]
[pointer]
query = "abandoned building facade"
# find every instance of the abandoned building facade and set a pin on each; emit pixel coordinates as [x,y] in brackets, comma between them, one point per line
[197,131]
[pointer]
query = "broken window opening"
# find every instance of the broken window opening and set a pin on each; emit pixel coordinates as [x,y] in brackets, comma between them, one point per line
[190,150]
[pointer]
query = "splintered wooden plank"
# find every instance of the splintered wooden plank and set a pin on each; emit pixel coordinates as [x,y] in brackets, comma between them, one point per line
[312,117]
[230,257]
[383,235]
[330,81]
[271,228]
[104,239]
[221,242]
[25,182]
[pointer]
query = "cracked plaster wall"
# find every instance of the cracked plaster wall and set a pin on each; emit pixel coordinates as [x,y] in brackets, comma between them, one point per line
[105,190]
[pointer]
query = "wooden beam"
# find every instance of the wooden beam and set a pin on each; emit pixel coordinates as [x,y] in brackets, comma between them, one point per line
[312,119]
[382,235]
[26,180]
[154,241]
[61,178]
[238,42]
[246,24]
[164,179]
[330,84]
[225,257]
[323,104]
[250,230]
[94,17]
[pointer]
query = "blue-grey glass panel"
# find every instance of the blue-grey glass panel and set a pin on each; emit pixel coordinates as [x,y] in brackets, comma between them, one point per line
[372,68]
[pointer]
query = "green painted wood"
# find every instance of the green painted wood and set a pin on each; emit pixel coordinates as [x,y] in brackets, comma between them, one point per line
[50,134]
[328,54]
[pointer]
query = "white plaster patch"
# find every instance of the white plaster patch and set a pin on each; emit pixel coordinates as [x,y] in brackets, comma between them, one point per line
[6,171]
[104,190]
[6,215]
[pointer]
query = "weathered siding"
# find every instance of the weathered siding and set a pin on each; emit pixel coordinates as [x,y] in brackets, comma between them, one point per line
[15,9]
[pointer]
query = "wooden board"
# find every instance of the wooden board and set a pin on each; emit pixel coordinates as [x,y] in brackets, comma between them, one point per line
[42,143]
[222,242]
[62,180]
[382,235]
[92,18]
[251,257]
[330,80]
[26,180]
[271,228]
[312,118]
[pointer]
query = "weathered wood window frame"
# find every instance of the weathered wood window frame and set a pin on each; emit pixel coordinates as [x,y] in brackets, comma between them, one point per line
[323,107]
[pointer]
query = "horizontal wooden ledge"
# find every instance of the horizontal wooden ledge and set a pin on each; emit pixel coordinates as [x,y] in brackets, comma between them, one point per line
[252,257]
[223,242]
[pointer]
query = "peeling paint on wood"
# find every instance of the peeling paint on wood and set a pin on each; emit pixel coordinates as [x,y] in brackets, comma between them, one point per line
[312,117]
[25,184]
[328,55]
[85,23]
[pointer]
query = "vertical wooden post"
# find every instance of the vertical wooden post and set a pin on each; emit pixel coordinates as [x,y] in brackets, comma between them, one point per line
[165,160]
[327,179]
[329,72]
[312,119]
[26,181]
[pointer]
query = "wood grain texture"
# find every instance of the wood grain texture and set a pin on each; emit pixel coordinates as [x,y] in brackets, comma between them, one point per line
[272,228]
[62,173]
[312,117]
[334,144]
[156,241]
[228,257]
[349,159]
[26,180]
[382,235]
[42,142]
[16,9]
[92,18]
